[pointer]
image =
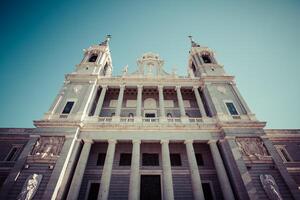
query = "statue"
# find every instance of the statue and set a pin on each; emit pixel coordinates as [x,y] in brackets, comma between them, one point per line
[270,187]
[47,147]
[30,187]
[252,147]
[191,73]
[125,70]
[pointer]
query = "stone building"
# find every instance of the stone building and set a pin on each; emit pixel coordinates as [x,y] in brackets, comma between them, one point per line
[149,135]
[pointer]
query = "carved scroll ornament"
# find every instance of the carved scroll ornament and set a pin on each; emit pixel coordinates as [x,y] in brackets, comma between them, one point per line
[30,187]
[270,187]
[252,147]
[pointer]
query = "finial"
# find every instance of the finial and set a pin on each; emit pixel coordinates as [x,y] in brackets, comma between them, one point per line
[193,43]
[105,42]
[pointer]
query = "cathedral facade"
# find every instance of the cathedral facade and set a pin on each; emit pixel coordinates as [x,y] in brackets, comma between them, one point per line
[149,135]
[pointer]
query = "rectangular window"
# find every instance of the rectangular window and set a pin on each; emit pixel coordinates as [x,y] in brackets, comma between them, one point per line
[175,159]
[101,159]
[93,191]
[150,159]
[199,159]
[231,108]
[68,107]
[283,153]
[12,155]
[208,195]
[125,159]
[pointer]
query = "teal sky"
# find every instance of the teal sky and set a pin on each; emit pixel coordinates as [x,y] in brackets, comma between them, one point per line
[257,41]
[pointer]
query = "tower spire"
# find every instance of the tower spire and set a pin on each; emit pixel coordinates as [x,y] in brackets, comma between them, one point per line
[105,42]
[193,43]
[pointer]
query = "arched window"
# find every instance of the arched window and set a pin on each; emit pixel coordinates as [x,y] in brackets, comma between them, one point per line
[169,115]
[187,114]
[206,58]
[93,58]
[113,114]
[130,115]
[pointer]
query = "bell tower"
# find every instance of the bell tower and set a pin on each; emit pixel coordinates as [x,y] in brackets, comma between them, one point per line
[96,60]
[202,61]
[218,88]
[80,86]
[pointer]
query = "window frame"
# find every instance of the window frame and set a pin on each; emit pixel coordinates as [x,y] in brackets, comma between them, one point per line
[89,187]
[158,163]
[14,157]
[66,102]
[282,147]
[125,165]
[203,164]
[100,165]
[235,107]
[180,160]
[93,55]
[211,185]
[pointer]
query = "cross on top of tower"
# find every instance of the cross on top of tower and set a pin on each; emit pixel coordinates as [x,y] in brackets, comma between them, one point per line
[105,42]
[193,43]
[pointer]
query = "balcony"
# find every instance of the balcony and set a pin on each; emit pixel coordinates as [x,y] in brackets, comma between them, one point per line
[146,120]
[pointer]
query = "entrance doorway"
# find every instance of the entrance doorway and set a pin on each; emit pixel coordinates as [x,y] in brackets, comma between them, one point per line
[150,187]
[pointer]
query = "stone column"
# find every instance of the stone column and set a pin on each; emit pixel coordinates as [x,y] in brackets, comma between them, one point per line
[199,102]
[134,185]
[161,102]
[99,56]
[79,171]
[181,105]
[167,172]
[119,104]
[221,172]
[139,103]
[107,169]
[194,171]
[100,100]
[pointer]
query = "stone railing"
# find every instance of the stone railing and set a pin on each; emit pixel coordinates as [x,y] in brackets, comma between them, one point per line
[195,120]
[174,119]
[126,119]
[152,119]
[105,119]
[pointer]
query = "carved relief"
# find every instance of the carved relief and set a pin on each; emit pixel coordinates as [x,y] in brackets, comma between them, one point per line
[47,147]
[270,187]
[30,187]
[252,147]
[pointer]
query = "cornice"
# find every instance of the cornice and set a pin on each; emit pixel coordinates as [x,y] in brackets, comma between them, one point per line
[57,123]
[149,81]
[241,124]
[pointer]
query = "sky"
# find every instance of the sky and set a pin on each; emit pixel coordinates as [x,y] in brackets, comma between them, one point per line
[257,41]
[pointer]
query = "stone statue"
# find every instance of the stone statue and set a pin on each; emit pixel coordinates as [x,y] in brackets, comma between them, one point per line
[252,147]
[47,147]
[191,73]
[125,70]
[30,187]
[270,187]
